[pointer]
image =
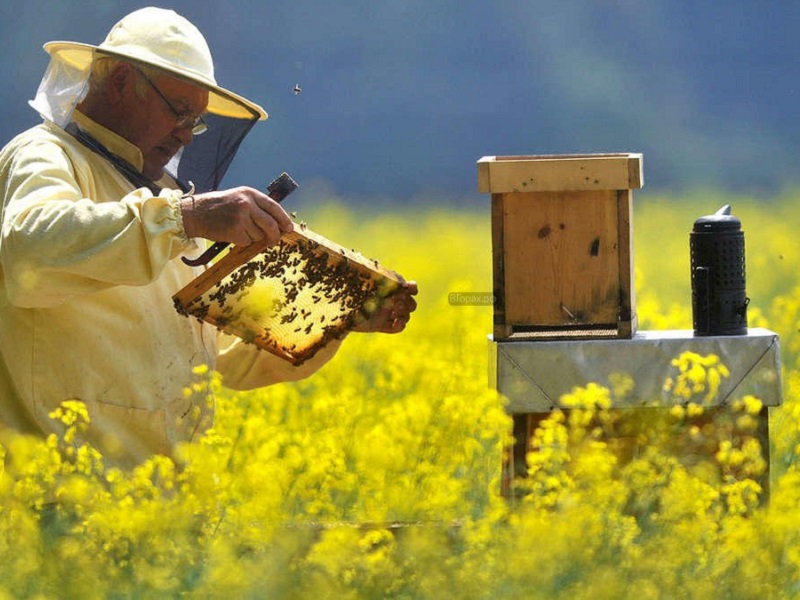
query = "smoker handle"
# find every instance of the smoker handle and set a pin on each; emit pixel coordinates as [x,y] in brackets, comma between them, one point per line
[703,283]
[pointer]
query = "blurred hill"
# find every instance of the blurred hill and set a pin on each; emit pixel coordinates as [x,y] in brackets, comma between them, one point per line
[400,99]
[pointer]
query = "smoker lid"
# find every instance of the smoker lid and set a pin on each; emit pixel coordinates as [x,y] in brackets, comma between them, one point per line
[722,220]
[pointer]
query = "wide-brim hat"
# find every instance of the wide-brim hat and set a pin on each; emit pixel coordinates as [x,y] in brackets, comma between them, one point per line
[162,38]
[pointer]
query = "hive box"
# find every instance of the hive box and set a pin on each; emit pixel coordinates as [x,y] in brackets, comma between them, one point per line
[534,376]
[562,244]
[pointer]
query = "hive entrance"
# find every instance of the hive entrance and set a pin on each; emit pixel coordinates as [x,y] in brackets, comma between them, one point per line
[290,299]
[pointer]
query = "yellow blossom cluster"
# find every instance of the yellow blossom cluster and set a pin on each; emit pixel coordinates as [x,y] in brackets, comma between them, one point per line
[380,476]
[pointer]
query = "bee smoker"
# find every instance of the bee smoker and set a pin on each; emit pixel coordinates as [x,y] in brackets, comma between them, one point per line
[719,299]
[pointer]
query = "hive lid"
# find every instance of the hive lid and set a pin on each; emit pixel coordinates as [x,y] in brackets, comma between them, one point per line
[560,172]
[722,220]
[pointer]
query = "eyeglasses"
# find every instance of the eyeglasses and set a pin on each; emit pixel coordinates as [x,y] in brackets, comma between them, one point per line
[182,120]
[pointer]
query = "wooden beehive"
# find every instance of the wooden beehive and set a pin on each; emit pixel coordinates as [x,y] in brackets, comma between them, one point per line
[562,244]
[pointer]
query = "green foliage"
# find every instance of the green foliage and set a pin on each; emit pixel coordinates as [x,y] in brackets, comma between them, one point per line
[379,477]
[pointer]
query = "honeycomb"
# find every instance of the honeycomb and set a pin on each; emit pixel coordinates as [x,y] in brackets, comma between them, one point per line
[290,299]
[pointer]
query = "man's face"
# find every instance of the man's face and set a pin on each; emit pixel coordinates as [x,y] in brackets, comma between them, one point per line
[153,122]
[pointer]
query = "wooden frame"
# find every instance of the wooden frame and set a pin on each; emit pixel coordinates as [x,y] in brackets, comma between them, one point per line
[289,299]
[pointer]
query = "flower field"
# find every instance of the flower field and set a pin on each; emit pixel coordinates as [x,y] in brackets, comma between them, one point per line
[379,477]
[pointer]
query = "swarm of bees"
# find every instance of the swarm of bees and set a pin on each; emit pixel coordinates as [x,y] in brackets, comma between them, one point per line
[293,298]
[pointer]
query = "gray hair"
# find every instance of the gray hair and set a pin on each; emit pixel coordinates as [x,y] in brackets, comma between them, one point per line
[102,66]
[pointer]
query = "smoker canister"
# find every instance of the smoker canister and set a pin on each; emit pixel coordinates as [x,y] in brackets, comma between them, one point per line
[719,299]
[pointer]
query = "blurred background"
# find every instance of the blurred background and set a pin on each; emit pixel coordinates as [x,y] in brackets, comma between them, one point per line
[400,99]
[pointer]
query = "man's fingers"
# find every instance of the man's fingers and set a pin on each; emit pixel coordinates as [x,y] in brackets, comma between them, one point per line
[274,210]
[265,227]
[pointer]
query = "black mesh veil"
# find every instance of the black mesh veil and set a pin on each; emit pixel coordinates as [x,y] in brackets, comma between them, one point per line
[205,161]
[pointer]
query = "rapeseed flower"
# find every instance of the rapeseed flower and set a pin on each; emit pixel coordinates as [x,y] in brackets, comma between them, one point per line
[380,477]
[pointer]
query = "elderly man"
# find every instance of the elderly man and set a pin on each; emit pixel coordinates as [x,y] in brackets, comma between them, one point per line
[96,213]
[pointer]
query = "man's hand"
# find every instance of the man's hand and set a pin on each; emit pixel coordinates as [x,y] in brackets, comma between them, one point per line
[393,313]
[241,215]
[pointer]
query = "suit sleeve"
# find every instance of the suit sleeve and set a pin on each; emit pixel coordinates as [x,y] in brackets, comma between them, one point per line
[57,241]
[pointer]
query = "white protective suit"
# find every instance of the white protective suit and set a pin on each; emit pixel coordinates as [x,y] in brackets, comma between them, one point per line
[88,267]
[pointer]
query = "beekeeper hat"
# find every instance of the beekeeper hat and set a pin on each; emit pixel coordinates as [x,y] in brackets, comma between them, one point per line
[162,38]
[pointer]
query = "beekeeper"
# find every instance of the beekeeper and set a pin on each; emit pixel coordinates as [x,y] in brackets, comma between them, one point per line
[97,209]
